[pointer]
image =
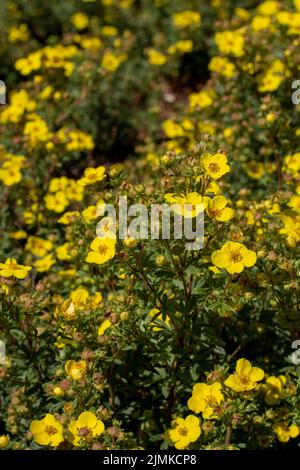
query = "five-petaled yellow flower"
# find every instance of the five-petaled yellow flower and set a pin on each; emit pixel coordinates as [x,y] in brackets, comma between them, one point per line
[245,377]
[102,250]
[12,268]
[189,205]
[47,431]
[92,175]
[285,432]
[76,370]
[184,431]
[206,399]
[216,165]
[4,441]
[273,389]
[85,428]
[216,208]
[233,257]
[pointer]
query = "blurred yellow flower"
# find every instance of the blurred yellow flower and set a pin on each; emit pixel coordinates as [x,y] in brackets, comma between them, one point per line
[80,20]
[12,268]
[92,175]
[76,370]
[103,327]
[186,19]
[285,432]
[4,441]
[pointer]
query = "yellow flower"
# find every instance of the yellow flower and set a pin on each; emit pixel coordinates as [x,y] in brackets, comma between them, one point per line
[69,217]
[67,310]
[186,19]
[292,163]
[95,300]
[10,173]
[36,130]
[18,33]
[76,370]
[37,246]
[74,140]
[80,297]
[92,175]
[172,129]
[12,268]
[233,257]
[216,165]
[65,252]
[260,22]
[90,213]
[56,202]
[206,399]
[158,319]
[245,377]
[291,229]
[109,31]
[103,327]
[269,8]
[111,61]
[223,66]
[294,203]
[285,432]
[273,77]
[203,99]
[48,431]
[20,103]
[102,250]
[255,170]
[18,235]
[80,20]
[184,431]
[29,64]
[273,389]
[184,46]
[4,441]
[44,264]
[231,42]
[189,205]
[216,208]
[85,428]
[156,57]
[57,391]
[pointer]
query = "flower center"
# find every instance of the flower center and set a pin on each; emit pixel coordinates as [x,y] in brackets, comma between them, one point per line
[183,431]
[102,249]
[214,167]
[210,400]
[235,256]
[216,213]
[244,379]
[50,430]
[84,432]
